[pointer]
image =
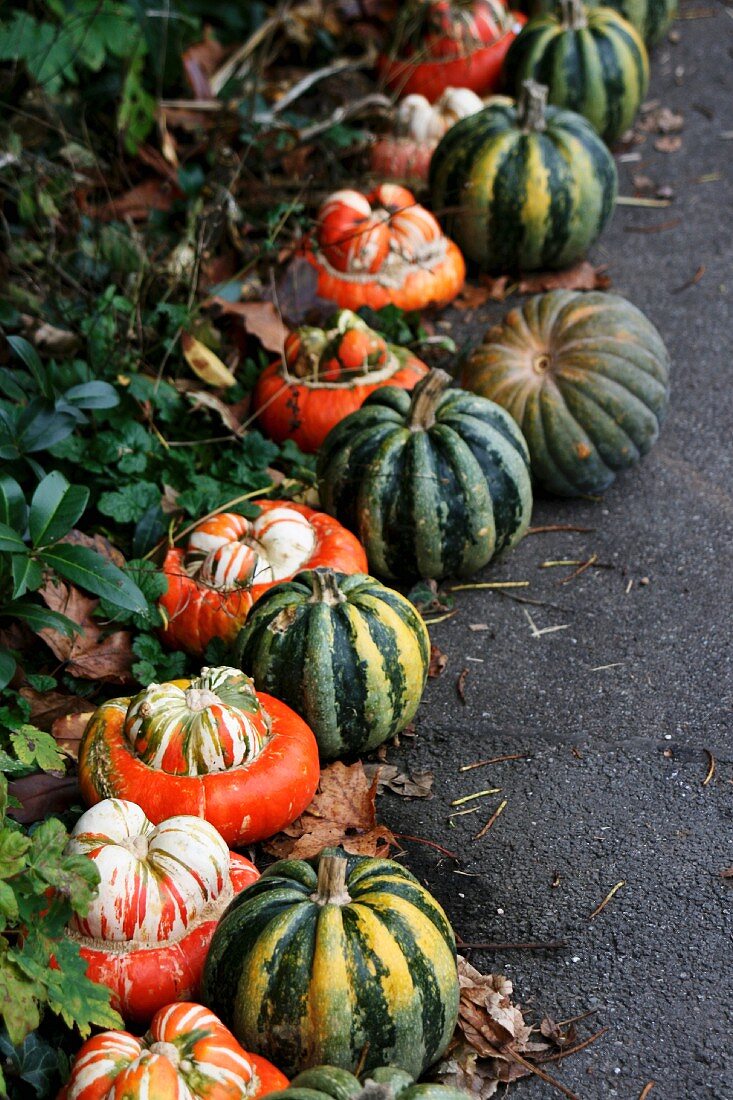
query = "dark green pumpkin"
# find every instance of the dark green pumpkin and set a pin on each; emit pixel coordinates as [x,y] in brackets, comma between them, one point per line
[592,61]
[349,655]
[522,187]
[382,1083]
[586,377]
[336,961]
[652,18]
[434,483]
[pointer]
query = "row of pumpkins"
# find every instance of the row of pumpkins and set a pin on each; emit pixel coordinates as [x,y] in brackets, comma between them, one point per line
[342,970]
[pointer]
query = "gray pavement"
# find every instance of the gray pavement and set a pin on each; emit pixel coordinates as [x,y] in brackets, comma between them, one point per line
[612,789]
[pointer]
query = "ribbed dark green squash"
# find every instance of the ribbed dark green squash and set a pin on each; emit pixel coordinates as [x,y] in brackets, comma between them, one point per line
[434,483]
[521,187]
[652,18]
[349,655]
[332,1083]
[591,59]
[335,960]
[586,377]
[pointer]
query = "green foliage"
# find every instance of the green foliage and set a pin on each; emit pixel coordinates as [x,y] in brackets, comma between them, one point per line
[41,888]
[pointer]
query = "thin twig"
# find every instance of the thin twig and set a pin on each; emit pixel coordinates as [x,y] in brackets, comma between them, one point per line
[499,810]
[530,945]
[541,1074]
[609,895]
[574,1050]
[547,527]
[646,1090]
[430,843]
[494,760]
[711,767]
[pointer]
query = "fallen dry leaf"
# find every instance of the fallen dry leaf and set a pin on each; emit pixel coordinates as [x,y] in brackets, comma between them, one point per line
[48,706]
[136,204]
[727,873]
[91,654]
[205,364]
[390,778]
[471,297]
[99,543]
[669,143]
[226,413]
[342,813]
[582,276]
[260,319]
[438,661]
[498,286]
[42,794]
[461,685]
[49,338]
[68,731]
[200,62]
[660,120]
[297,293]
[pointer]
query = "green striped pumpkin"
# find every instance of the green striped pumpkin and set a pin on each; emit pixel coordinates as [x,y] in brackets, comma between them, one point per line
[338,960]
[332,1083]
[586,377]
[651,18]
[433,482]
[591,59]
[347,654]
[521,187]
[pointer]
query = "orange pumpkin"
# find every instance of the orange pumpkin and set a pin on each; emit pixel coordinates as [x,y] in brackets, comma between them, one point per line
[449,43]
[238,758]
[325,375]
[188,1052]
[162,890]
[229,561]
[420,268]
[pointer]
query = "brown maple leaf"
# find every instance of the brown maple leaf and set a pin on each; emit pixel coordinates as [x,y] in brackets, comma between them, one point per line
[582,276]
[342,813]
[48,706]
[91,654]
[69,730]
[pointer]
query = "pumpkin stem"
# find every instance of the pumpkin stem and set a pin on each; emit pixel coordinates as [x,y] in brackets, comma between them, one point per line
[167,1050]
[331,886]
[531,107]
[425,399]
[573,14]
[198,699]
[325,588]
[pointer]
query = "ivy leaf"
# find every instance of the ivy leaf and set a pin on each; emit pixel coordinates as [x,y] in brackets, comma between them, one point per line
[34,1061]
[91,571]
[14,846]
[156,663]
[129,504]
[18,998]
[79,1002]
[55,508]
[74,877]
[34,747]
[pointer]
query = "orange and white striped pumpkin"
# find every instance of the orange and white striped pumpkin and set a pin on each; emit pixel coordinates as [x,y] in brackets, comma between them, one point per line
[352,235]
[212,723]
[162,889]
[235,551]
[414,266]
[188,1054]
[155,880]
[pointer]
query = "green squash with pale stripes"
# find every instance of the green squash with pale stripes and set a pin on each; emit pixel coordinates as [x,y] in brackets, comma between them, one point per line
[586,377]
[523,187]
[592,61]
[434,482]
[341,960]
[332,1083]
[652,18]
[347,654]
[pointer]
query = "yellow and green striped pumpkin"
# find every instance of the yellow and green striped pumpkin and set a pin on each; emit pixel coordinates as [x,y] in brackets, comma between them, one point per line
[591,59]
[523,187]
[332,1083]
[434,482]
[586,377]
[349,655]
[652,18]
[341,960]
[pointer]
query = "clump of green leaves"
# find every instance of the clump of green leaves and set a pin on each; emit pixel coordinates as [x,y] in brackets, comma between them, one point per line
[41,889]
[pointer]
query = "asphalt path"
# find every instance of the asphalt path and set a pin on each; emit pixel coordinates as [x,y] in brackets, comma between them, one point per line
[621,711]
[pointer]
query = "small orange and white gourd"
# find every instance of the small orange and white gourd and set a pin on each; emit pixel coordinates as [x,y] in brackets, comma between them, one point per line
[229,561]
[418,127]
[161,892]
[188,1054]
[383,249]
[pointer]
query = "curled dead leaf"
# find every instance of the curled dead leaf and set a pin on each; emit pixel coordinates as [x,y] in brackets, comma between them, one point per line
[390,778]
[205,364]
[582,276]
[68,731]
[342,813]
[92,654]
[438,661]
[261,319]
